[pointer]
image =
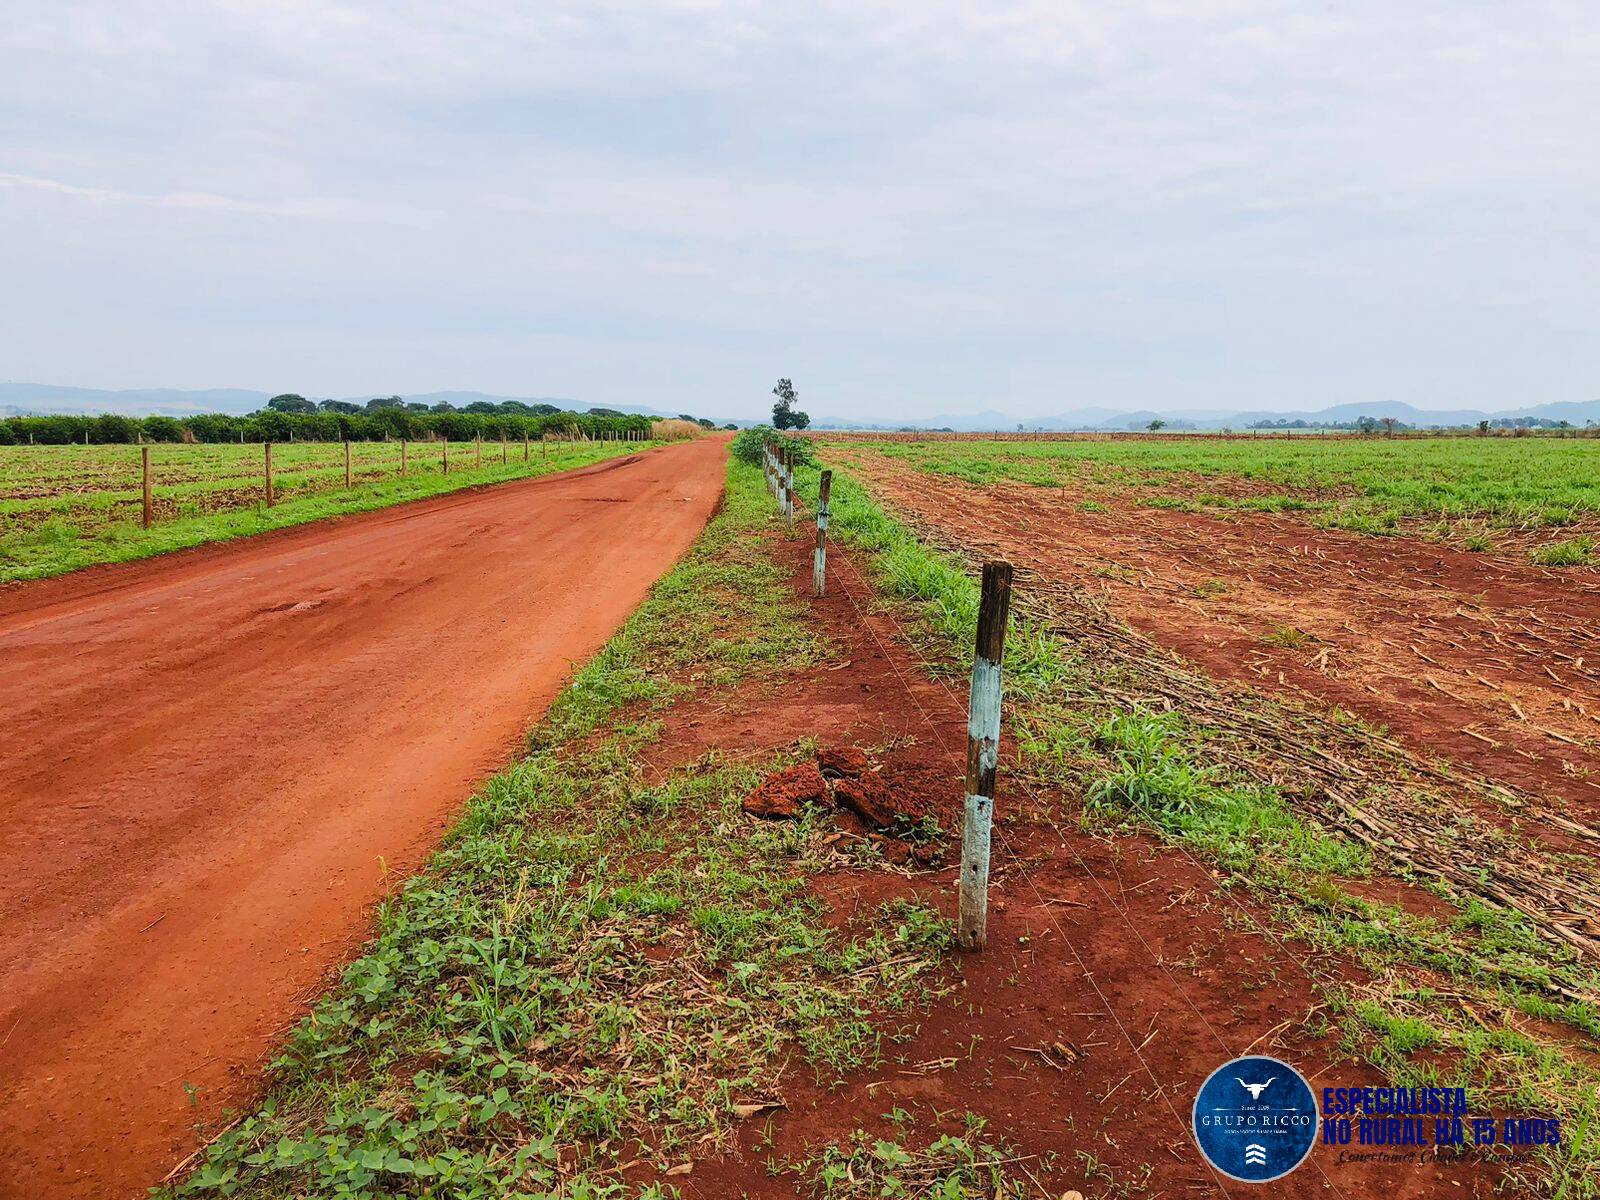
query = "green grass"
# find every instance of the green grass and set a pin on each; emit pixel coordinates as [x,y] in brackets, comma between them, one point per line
[1368,486]
[66,507]
[597,967]
[1169,773]
[955,1166]
[1575,552]
[1287,637]
[1243,826]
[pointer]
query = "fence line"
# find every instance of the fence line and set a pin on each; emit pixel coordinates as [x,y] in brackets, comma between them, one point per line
[983,702]
[280,460]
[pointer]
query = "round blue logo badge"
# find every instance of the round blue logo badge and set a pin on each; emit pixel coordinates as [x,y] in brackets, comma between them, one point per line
[1256,1119]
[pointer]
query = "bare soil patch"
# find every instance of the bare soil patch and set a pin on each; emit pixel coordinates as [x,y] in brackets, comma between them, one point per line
[1484,662]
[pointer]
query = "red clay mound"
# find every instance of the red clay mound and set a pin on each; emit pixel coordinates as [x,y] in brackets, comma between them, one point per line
[841,777]
[869,798]
[782,796]
[843,761]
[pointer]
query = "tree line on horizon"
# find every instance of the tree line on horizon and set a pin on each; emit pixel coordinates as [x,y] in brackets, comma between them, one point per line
[290,417]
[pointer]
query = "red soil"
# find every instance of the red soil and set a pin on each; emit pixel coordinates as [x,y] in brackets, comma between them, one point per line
[884,800]
[1117,976]
[216,761]
[1486,662]
[785,794]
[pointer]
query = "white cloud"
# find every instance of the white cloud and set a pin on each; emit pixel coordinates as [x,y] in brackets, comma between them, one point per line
[931,202]
[320,208]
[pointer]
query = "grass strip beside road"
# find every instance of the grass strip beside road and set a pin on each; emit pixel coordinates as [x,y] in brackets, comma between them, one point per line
[86,536]
[604,967]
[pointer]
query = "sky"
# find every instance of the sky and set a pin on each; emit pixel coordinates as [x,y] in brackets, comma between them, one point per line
[910,209]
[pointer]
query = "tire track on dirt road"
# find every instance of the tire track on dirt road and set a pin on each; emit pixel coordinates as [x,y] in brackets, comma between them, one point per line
[216,761]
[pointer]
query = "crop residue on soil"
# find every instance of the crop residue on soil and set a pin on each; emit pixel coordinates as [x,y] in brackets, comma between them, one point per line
[1491,663]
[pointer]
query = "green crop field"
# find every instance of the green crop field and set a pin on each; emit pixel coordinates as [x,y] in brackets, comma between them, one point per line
[1538,494]
[64,507]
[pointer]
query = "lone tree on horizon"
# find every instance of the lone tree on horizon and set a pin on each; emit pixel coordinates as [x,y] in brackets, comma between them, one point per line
[290,402]
[784,413]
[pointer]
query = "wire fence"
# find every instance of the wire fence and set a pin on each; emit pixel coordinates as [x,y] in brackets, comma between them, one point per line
[88,487]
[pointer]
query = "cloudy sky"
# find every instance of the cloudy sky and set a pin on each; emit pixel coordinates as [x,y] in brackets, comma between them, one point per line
[911,208]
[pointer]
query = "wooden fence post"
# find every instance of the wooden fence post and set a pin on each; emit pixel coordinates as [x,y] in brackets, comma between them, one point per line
[402,456]
[983,756]
[503,459]
[524,445]
[819,556]
[149,511]
[447,454]
[788,485]
[271,499]
[477,450]
[347,462]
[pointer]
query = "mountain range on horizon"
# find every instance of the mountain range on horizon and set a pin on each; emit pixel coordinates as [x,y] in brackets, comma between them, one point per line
[1103,419]
[18,399]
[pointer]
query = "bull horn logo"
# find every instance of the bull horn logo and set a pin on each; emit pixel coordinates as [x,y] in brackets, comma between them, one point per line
[1255,1089]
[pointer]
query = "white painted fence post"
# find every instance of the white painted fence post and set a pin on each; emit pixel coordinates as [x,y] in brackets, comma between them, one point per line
[983,757]
[788,485]
[819,557]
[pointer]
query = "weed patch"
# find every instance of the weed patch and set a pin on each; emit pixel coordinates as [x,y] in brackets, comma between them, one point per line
[1574,552]
[964,1166]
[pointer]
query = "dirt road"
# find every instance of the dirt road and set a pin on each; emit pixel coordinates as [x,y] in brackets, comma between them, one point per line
[213,763]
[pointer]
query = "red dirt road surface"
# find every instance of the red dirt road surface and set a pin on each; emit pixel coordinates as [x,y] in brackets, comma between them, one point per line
[214,763]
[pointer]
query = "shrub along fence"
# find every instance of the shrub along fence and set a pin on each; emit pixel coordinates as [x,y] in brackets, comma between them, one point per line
[375,425]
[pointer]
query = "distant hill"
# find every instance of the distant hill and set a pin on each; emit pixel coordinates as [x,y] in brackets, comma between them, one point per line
[1578,413]
[21,398]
